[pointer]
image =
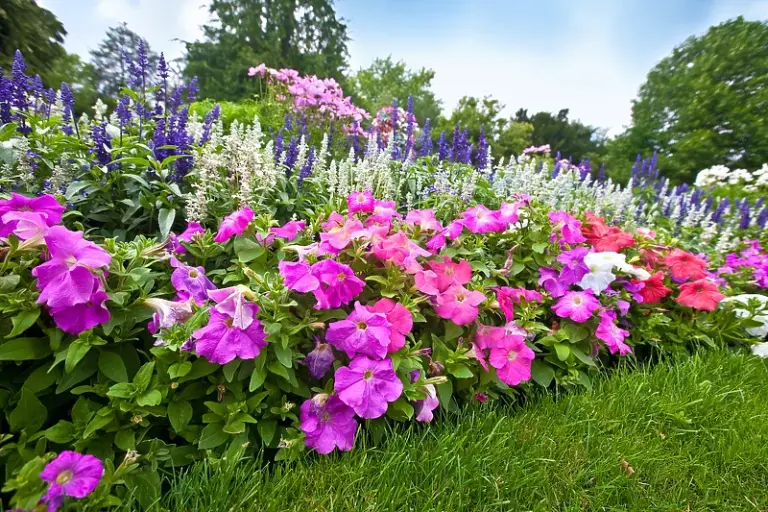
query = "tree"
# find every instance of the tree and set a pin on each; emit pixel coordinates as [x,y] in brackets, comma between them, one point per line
[705,104]
[385,80]
[571,138]
[109,58]
[35,31]
[82,79]
[305,36]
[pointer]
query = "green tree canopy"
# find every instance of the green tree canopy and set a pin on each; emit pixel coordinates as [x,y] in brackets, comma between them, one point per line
[705,104]
[109,62]
[306,36]
[35,31]
[571,138]
[385,80]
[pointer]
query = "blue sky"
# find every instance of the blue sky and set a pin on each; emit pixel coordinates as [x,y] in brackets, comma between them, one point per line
[587,55]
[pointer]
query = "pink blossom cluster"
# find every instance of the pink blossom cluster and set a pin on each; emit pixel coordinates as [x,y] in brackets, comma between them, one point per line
[393,119]
[537,149]
[753,259]
[323,95]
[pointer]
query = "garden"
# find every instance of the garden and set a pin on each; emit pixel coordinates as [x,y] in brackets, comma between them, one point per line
[201,296]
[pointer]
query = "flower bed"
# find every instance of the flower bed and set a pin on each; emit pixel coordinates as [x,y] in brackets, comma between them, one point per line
[322,304]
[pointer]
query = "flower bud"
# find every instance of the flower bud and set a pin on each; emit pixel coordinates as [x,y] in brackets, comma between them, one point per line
[320,360]
[436,368]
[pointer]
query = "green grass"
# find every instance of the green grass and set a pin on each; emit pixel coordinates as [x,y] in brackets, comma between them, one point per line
[694,433]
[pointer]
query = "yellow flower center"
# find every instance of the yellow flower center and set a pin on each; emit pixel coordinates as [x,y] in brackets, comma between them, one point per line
[64,477]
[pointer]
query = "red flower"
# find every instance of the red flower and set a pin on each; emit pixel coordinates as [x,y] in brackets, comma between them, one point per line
[685,265]
[605,238]
[649,257]
[654,289]
[701,294]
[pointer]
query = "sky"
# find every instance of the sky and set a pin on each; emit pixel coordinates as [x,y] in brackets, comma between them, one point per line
[590,56]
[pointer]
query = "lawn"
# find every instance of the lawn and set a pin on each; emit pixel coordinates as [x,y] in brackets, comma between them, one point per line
[679,436]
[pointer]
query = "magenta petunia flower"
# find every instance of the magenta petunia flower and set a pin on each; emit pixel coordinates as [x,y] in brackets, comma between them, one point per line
[168,313]
[234,224]
[425,219]
[338,237]
[289,230]
[66,278]
[367,386]
[193,229]
[423,408]
[232,302]
[459,304]
[320,360]
[70,474]
[363,332]
[401,250]
[426,282]
[449,273]
[574,268]
[338,284]
[328,423]
[549,279]
[400,319]
[612,334]
[298,276]
[512,359]
[578,306]
[383,213]
[26,225]
[220,341]
[81,317]
[570,228]
[480,219]
[190,282]
[360,202]
[507,298]
[436,243]
[508,213]
[454,229]
[45,205]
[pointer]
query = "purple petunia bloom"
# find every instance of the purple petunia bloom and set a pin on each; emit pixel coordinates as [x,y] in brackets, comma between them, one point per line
[612,334]
[220,341]
[578,306]
[168,313]
[368,386]
[320,360]
[363,332]
[66,278]
[190,282]
[47,206]
[338,284]
[232,302]
[570,228]
[193,229]
[81,317]
[70,474]
[550,280]
[423,408]
[574,267]
[298,277]
[234,224]
[328,423]
[289,230]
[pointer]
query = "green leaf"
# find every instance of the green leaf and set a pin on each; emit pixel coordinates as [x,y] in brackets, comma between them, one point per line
[75,352]
[22,322]
[29,414]
[542,373]
[563,351]
[122,390]
[540,247]
[576,333]
[179,414]
[41,378]
[444,393]
[125,440]
[284,355]
[247,249]
[137,179]
[97,423]
[84,369]
[150,398]
[460,371]
[452,331]
[144,376]
[165,218]
[177,370]
[61,433]
[113,367]
[400,410]
[230,368]
[267,430]
[581,356]
[212,436]
[144,484]
[24,349]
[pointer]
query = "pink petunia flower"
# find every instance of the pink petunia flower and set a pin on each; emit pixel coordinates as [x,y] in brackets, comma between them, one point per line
[400,319]
[363,332]
[83,316]
[26,225]
[612,334]
[360,202]
[339,236]
[508,213]
[549,279]
[168,313]
[193,229]
[338,284]
[70,474]
[298,276]
[459,304]
[425,219]
[190,282]
[328,423]
[220,341]
[512,359]
[45,205]
[383,212]
[569,227]
[289,230]
[578,306]
[400,250]
[368,386]
[508,297]
[449,273]
[232,303]
[234,224]
[423,408]
[66,278]
[480,219]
